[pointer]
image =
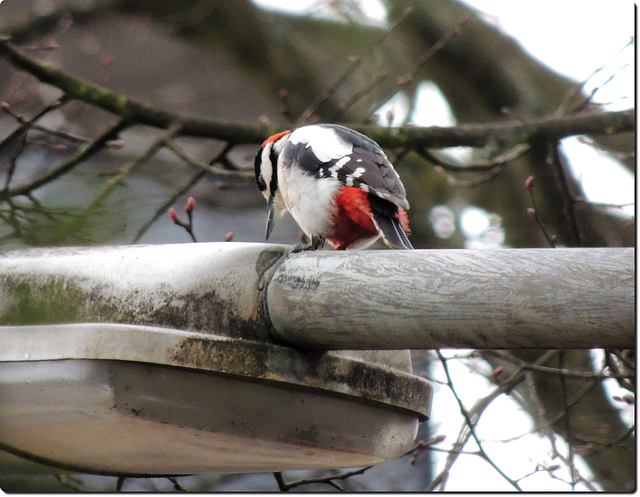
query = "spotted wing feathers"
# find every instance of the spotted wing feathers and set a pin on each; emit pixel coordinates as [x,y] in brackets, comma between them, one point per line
[350,157]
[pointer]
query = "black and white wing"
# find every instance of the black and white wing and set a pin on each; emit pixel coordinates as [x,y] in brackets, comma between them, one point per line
[333,151]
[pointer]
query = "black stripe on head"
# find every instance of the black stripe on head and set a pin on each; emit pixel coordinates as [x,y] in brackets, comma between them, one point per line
[257,167]
[259,163]
[273,184]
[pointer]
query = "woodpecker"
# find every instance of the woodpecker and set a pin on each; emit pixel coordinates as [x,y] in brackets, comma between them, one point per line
[337,184]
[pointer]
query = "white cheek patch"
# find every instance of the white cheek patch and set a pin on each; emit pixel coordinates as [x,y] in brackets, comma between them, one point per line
[325,143]
[266,168]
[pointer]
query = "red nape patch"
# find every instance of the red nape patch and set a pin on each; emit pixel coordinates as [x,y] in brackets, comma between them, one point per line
[273,138]
[353,218]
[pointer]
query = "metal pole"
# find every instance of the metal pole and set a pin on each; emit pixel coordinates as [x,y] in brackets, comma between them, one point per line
[423,299]
[373,299]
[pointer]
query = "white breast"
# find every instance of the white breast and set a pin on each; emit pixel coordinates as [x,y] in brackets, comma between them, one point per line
[308,199]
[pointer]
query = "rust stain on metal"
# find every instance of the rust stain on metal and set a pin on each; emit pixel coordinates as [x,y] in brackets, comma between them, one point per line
[321,372]
[222,356]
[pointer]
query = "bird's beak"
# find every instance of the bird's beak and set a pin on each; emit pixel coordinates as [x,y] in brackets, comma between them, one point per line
[271,217]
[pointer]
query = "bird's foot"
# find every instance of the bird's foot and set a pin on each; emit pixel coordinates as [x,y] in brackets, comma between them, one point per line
[316,242]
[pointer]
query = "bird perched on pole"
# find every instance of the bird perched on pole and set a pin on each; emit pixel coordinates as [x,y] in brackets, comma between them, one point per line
[337,184]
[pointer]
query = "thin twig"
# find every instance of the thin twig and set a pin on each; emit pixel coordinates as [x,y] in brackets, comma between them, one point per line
[597,444]
[533,212]
[620,156]
[567,422]
[71,137]
[361,93]
[406,79]
[569,373]
[216,171]
[487,165]
[439,45]
[327,480]
[188,226]
[21,133]
[203,169]
[476,180]
[421,445]
[125,169]
[557,159]
[176,485]
[582,200]
[621,376]
[476,412]
[577,89]
[622,355]
[77,158]
[160,211]
[328,93]
[470,424]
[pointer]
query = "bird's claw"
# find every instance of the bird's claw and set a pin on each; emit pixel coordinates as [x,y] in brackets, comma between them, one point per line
[316,242]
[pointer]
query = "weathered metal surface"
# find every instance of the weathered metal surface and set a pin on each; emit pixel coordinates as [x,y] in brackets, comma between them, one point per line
[248,359]
[130,399]
[208,287]
[126,393]
[211,288]
[501,299]
[510,298]
[162,359]
[128,418]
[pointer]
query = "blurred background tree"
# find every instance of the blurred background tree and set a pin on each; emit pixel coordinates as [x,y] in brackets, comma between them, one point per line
[185,92]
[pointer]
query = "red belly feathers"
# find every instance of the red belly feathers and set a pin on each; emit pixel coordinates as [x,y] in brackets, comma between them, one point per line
[354,220]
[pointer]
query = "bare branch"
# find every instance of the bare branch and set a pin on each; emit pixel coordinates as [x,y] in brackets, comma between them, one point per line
[568,101]
[565,182]
[203,169]
[327,480]
[506,134]
[569,373]
[328,93]
[130,110]
[125,169]
[487,165]
[68,164]
[403,81]
[533,212]
[471,427]
[188,226]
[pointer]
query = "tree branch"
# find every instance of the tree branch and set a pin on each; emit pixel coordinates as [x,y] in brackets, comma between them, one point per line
[128,109]
[507,133]
[471,426]
[570,373]
[67,165]
[328,480]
